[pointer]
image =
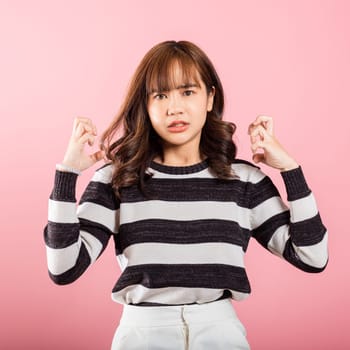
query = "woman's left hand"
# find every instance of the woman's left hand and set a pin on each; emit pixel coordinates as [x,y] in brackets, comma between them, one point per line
[262,137]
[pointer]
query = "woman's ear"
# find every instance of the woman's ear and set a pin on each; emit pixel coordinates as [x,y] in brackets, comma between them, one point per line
[211,95]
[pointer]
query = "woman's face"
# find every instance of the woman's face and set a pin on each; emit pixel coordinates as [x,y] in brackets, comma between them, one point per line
[179,115]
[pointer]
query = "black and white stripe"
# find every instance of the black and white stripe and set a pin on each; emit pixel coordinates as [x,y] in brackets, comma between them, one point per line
[186,241]
[75,236]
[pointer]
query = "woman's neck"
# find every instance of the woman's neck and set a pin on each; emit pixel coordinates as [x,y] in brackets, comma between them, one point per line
[179,158]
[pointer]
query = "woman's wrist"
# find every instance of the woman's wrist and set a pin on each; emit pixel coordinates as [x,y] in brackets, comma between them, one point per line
[290,166]
[63,167]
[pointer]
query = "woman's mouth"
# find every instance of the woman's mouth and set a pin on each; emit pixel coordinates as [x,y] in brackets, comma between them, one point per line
[178,126]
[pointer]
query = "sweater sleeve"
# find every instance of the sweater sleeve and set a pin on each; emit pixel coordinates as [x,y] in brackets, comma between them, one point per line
[76,235]
[295,232]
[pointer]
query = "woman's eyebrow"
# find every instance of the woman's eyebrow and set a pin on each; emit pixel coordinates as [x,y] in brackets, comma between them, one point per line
[186,86]
[183,86]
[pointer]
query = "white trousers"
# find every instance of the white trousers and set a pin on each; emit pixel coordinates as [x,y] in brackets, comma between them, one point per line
[210,326]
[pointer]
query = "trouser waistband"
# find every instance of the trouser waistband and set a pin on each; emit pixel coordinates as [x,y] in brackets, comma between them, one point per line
[172,315]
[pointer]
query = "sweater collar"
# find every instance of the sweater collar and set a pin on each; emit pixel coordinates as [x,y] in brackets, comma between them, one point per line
[180,170]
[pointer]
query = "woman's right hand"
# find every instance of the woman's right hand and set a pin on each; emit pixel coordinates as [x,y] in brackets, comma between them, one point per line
[83,131]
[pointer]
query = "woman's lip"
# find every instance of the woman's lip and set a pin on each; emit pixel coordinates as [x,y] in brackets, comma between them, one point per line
[178,128]
[175,122]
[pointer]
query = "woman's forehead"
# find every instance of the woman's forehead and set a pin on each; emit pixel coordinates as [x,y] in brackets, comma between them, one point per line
[173,76]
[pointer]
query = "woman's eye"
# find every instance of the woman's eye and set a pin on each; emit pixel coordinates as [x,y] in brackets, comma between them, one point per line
[159,96]
[188,92]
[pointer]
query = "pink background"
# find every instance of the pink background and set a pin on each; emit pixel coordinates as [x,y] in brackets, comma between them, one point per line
[62,59]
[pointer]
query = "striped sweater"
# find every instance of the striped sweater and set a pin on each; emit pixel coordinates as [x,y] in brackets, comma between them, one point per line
[186,242]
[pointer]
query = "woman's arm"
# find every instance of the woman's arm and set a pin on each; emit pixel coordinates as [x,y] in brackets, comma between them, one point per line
[295,233]
[76,236]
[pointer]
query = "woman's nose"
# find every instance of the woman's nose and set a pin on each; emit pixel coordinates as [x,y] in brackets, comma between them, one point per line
[175,105]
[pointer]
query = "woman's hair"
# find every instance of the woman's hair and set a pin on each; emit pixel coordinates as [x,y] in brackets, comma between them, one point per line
[138,143]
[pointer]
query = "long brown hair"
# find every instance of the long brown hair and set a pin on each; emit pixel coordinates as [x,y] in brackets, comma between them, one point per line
[138,143]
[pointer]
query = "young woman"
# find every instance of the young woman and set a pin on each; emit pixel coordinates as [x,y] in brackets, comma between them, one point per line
[180,207]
